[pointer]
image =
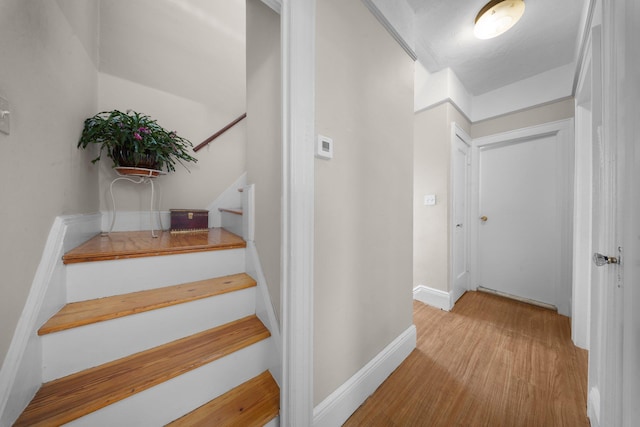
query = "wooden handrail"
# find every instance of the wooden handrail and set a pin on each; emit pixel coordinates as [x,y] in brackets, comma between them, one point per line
[220,132]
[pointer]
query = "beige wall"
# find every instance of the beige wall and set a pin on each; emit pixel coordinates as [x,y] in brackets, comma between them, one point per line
[264,162]
[48,75]
[186,68]
[363,199]
[432,175]
[218,166]
[533,116]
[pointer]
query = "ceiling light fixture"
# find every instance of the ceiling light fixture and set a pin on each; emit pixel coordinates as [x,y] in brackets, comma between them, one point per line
[496,17]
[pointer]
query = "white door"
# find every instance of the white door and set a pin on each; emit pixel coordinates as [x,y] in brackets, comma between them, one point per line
[460,216]
[524,214]
[614,356]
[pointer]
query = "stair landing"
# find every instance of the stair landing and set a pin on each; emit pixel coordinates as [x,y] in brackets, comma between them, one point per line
[137,244]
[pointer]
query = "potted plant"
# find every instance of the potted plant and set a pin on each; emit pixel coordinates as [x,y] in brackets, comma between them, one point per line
[134,140]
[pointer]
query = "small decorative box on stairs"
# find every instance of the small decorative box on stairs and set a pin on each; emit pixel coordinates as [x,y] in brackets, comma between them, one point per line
[189,220]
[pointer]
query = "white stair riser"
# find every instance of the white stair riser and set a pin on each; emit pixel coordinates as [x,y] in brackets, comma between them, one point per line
[170,400]
[274,422]
[90,280]
[75,349]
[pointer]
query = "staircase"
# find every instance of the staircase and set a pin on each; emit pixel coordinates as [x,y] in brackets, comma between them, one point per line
[157,332]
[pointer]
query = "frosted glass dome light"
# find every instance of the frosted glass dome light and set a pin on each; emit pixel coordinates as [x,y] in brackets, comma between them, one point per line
[496,17]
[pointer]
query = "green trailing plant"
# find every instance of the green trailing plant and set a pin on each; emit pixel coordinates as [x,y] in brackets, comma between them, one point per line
[135,140]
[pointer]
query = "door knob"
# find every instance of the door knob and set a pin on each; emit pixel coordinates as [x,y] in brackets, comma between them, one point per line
[483,218]
[601,260]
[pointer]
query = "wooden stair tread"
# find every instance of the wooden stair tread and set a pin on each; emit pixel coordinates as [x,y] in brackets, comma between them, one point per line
[237,211]
[97,310]
[136,244]
[68,398]
[253,403]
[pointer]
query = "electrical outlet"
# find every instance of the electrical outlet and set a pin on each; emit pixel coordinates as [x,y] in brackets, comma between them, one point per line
[5,115]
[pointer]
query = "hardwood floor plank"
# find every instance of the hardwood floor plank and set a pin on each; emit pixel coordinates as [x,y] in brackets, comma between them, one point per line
[63,400]
[251,404]
[489,362]
[136,244]
[92,311]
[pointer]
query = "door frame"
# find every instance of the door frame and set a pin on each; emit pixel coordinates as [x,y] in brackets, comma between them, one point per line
[563,130]
[618,398]
[586,101]
[458,132]
[297,24]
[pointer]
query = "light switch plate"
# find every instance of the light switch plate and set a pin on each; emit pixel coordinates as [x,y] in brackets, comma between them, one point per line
[4,116]
[430,200]
[324,147]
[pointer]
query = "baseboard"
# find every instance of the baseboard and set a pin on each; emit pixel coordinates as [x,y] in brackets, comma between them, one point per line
[433,297]
[593,407]
[264,307]
[230,198]
[47,295]
[339,405]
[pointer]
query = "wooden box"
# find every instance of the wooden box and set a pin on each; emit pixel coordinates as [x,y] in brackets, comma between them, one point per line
[189,220]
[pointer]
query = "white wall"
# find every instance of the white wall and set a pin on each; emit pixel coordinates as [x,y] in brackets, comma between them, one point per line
[48,75]
[264,140]
[363,196]
[432,89]
[547,87]
[432,175]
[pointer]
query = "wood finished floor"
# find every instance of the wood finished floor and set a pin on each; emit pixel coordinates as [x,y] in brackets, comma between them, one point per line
[135,244]
[489,362]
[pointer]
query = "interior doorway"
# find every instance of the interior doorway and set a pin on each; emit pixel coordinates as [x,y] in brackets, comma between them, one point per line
[522,213]
[461,174]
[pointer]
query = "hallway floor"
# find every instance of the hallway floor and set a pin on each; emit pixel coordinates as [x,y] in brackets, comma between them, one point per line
[490,361]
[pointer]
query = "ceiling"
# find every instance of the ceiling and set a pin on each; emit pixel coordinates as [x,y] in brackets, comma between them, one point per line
[179,46]
[191,48]
[547,37]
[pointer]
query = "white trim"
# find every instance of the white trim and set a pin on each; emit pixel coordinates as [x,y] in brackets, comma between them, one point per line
[298,136]
[249,212]
[444,101]
[47,295]
[275,5]
[458,132]
[582,193]
[593,407]
[517,298]
[339,405]
[583,44]
[373,8]
[433,297]
[264,306]
[609,320]
[230,198]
